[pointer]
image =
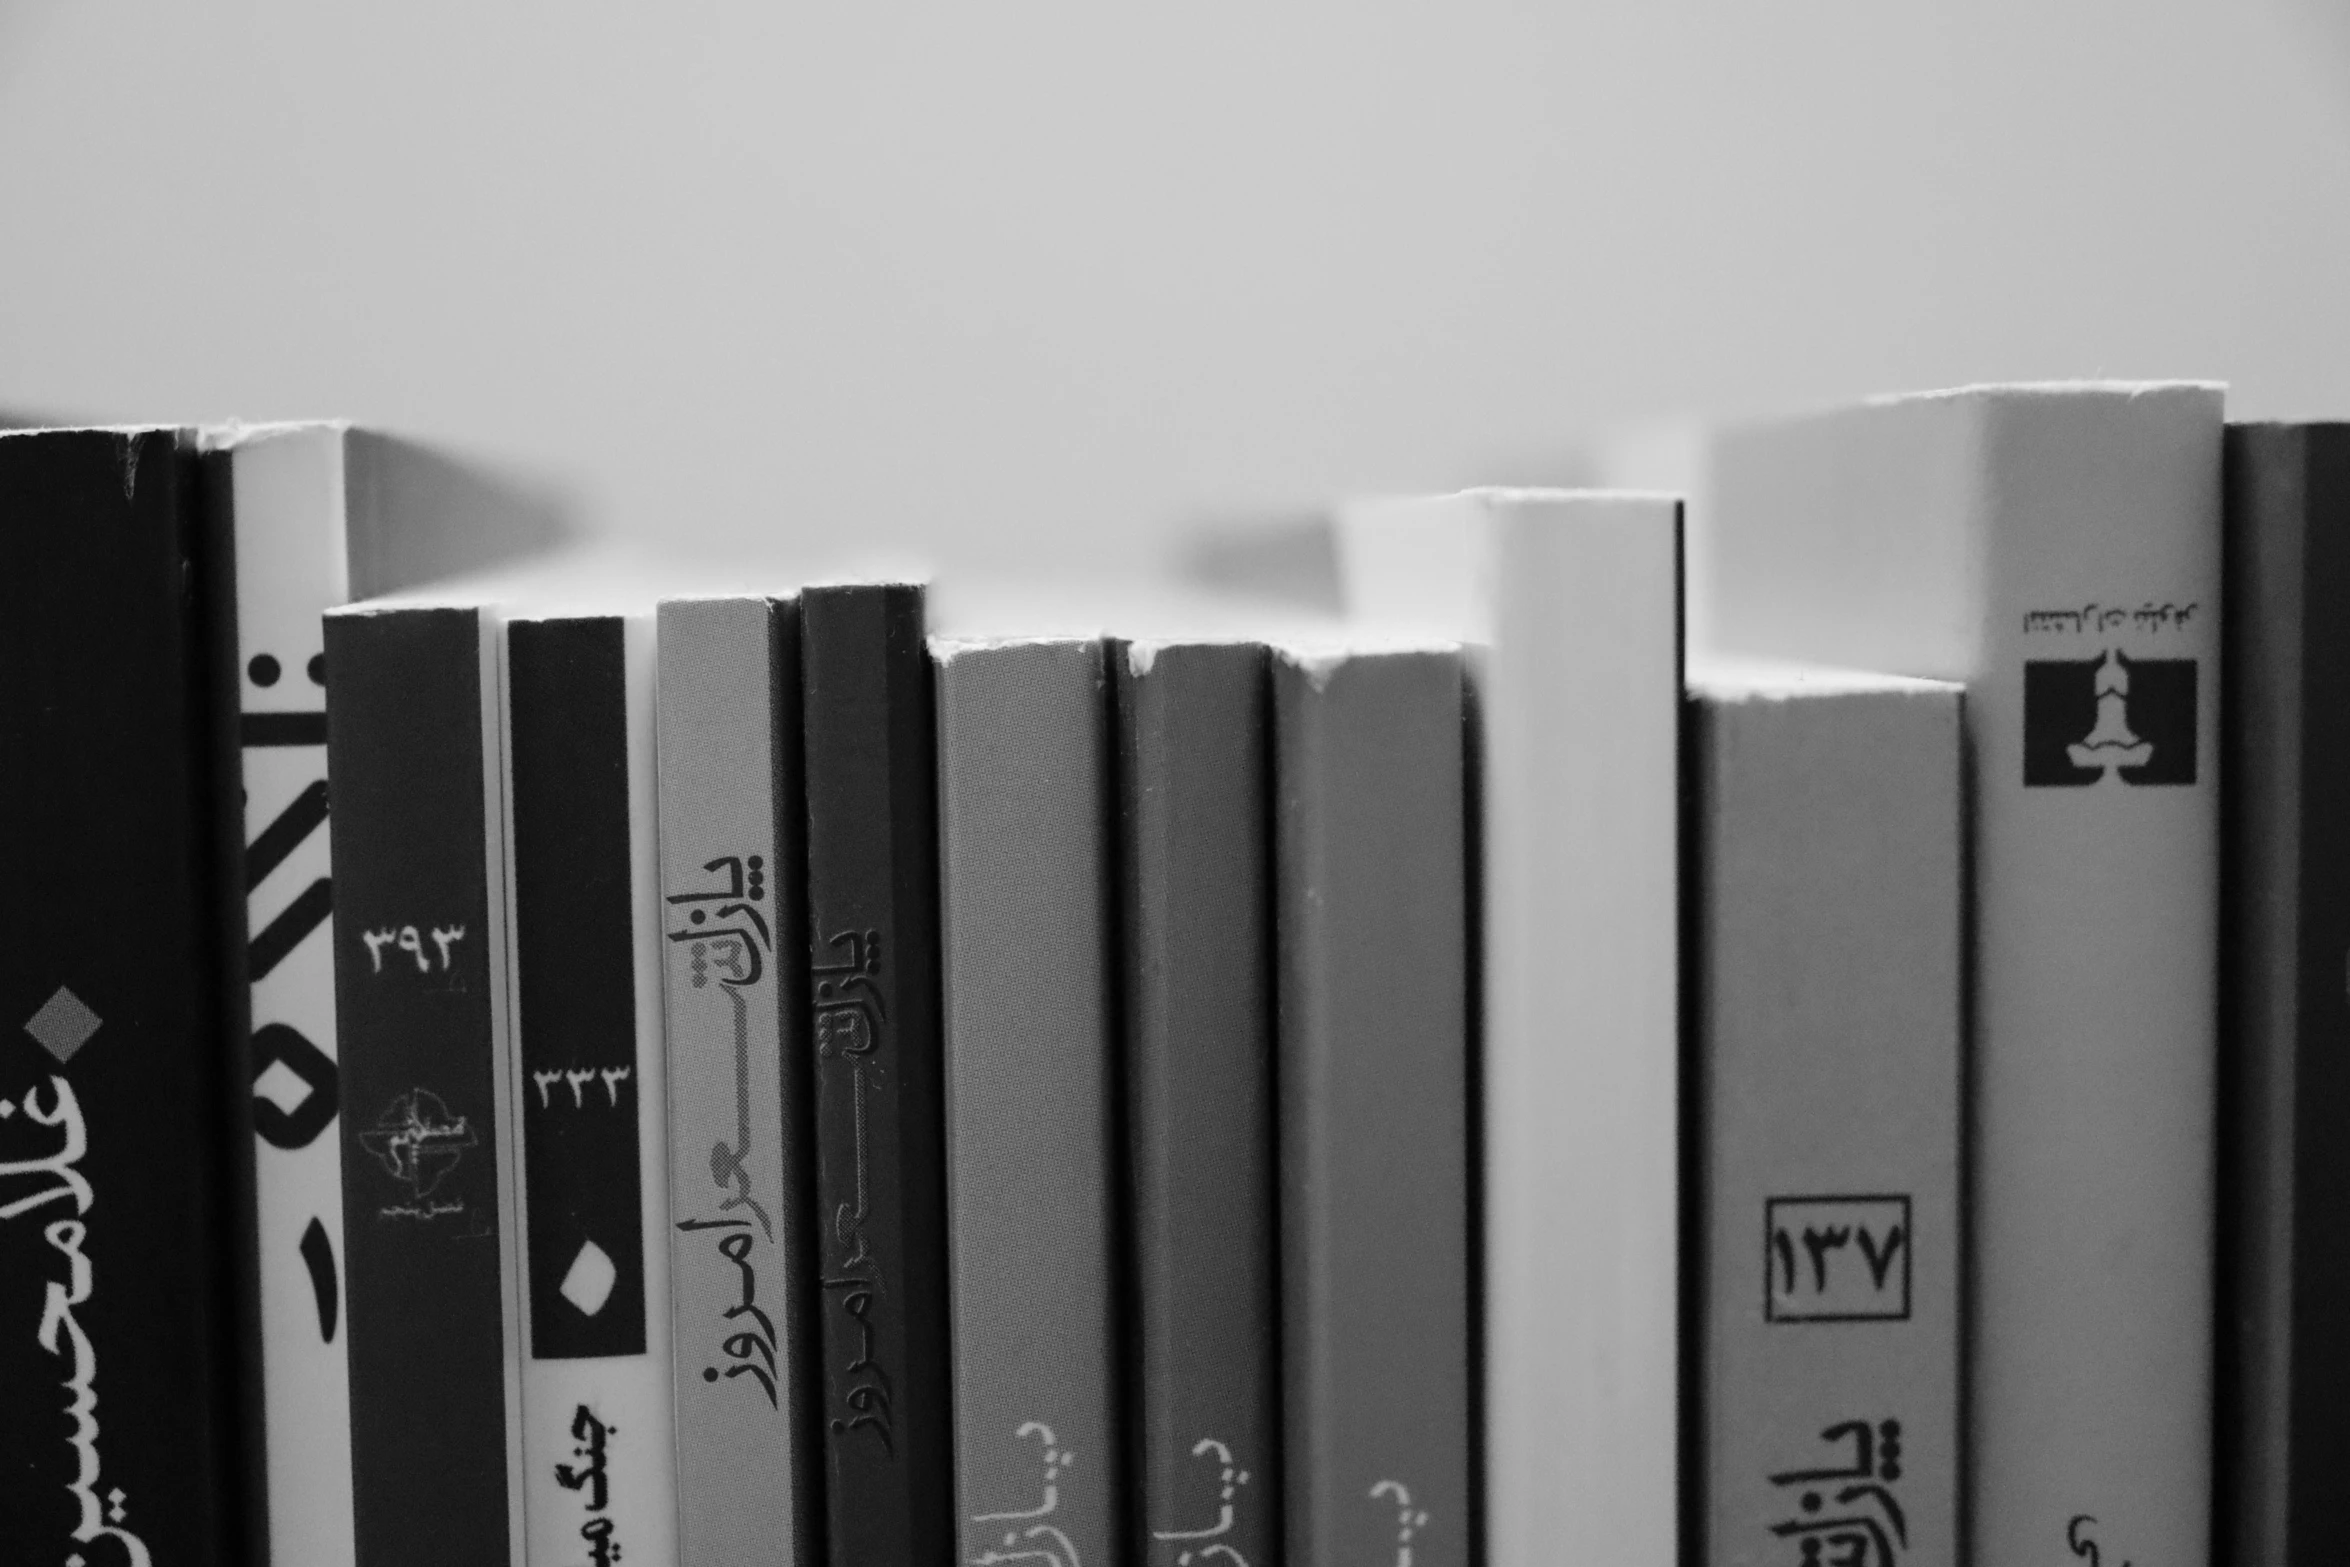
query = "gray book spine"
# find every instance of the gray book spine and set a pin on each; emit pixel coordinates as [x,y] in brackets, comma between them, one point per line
[734,967]
[1196,906]
[1369,822]
[1828,887]
[1024,832]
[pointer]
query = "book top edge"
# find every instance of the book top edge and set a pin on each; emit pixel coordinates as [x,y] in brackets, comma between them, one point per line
[2018,391]
[1766,680]
[1503,495]
[748,596]
[1322,653]
[96,429]
[231,434]
[947,648]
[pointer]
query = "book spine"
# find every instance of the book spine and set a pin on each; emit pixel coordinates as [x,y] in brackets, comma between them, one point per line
[118,1409]
[598,1455]
[1030,970]
[2093,720]
[1829,1002]
[733,879]
[285,494]
[879,1075]
[1369,818]
[1194,830]
[1583,1112]
[425,1135]
[2285,901]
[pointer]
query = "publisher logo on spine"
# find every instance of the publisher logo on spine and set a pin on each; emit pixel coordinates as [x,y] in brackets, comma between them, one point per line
[2087,720]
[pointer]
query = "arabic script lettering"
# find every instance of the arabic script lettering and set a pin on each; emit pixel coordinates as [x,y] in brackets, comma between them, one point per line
[98,1514]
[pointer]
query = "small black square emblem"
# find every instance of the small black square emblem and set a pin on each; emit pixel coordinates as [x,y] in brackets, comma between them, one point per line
[2085,718]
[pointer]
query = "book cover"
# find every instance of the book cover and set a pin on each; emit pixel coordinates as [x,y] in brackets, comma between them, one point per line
[1826,879]
[424,1132]
[587,937]
[1031,1044]
[2284,1423]
[734,967]
[2057,549]
[119,1419]
[1196,896]
[879,1075]
[1369,827]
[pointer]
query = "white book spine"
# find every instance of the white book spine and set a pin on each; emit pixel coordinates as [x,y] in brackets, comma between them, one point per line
[2096,899]
[287,497]
[1581,701]
[513,1301]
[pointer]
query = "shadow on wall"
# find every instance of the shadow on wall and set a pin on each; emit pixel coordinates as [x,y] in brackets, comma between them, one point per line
[473,514]
[1291,559]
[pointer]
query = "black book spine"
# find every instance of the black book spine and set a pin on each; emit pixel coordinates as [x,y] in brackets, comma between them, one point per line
[2284,1365]
[1195,798]
[118,1407]
[873,923]
[596,1398]
[802,1241]
[575,969]
[420,1012]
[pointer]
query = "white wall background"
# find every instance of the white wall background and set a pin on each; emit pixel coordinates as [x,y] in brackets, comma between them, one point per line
[1068,275]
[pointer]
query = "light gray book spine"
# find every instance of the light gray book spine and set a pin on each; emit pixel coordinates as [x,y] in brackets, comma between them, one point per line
[1828,884]
[2058,550]
[1024,834]
[737,1197]
[1373,940]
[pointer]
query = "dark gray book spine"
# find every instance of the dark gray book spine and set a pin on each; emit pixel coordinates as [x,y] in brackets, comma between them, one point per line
[1829,1017]
[2284,1426]
[1369,820]
[420,1004]
[733,880]
[872,791]
[1024,814]
[1196,893]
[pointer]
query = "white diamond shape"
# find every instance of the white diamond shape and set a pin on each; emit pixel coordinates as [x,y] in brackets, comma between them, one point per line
[282,1086]
[589,1283]
[63,1025]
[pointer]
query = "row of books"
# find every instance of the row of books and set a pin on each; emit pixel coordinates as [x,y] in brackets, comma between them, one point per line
[824,1074]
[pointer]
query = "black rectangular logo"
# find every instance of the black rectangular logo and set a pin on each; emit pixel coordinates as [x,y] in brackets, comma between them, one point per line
[2086,719]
